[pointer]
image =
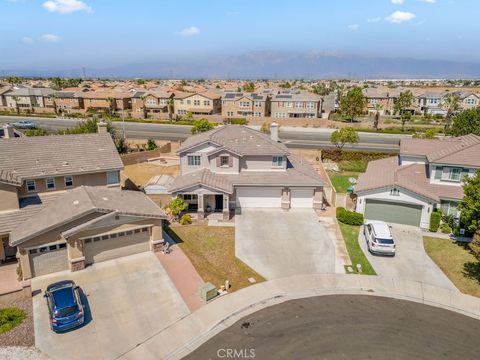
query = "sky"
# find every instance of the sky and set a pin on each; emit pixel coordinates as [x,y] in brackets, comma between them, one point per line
[39,34]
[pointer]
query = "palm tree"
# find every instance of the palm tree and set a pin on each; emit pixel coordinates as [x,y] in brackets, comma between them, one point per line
[111,103]
[377,106]
[54,97]
[17,108]
[144,109]
[451,104]
[170,108]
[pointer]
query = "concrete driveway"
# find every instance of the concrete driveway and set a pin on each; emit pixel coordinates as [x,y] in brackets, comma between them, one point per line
[130,299]
[411,262]
[278,243]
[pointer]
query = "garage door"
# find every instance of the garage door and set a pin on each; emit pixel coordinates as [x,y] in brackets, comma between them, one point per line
[107,247]
[301,198]
[398,213]
[48,259]
[256,197]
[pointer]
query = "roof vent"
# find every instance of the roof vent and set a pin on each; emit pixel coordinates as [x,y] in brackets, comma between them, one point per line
[76,202]
[105,198]
[65,163]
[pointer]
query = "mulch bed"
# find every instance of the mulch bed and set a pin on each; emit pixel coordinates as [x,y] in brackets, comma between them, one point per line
[23,334]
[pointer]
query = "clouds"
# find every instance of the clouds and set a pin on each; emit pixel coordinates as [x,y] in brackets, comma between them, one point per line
[190,31]
[27,40]
[353,27]
[50,38]
[398,17]
[397,2]
[66,6]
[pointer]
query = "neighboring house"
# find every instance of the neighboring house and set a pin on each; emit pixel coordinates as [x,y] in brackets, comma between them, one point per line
[156,103]
[67,101]
[107,100]
[197,103]
[235,167]
[238,104]
[469,100]
[296,105]
[27,98]
[378,98]
[4,90]
[429,103]
[33,170]
[426,175]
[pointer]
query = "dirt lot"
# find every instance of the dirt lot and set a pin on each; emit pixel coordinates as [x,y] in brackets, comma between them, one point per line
[22,335]
[139,174]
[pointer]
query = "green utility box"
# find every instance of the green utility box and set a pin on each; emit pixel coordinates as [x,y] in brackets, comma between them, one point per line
[208,291]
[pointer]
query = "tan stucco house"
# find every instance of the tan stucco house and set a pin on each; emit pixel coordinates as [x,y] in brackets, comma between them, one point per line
[197,103]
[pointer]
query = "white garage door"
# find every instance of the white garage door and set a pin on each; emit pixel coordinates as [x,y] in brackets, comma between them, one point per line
[107,247]
[48,259]
[259,197]
[301,198]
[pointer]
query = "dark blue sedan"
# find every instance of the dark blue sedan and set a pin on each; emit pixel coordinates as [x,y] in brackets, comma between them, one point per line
[64,305]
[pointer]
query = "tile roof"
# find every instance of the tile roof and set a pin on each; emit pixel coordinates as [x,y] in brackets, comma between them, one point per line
[79,202]
[40,156]
[414,177]
[28,91]
[296,97]
[208,95]
[238,139]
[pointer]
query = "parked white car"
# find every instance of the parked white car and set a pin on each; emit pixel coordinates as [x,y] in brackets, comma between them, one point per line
[379,238]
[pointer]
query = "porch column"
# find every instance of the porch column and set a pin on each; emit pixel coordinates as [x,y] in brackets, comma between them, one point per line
[226,210]
[318,198]
[156,236]
[286,198]
[201,207]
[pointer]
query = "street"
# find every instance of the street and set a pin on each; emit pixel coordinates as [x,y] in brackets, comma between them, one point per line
[309,138]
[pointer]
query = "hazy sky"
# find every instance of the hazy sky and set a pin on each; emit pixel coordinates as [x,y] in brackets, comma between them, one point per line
[101,33]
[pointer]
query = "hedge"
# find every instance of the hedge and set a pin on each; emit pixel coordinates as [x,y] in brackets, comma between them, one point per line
[336,155]
[349,217]
[435,218]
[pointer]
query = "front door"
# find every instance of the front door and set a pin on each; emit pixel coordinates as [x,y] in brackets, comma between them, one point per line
[218,202]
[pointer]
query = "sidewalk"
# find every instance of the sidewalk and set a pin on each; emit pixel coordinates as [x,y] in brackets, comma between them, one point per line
[189,333]
[182,273]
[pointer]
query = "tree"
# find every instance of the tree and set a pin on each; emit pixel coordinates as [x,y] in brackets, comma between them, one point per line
[285,85]
[377,106]
[151,144]
[201,125]
[249,87]
[111,104]
[170,108]
[353,103]
[144,109]
[54,97]
[470,207]
[343,136]
[89,126]
[451,104]
[402,104]
[121,145]
[466,122]
[176,206]
[13,80]
[35,132]
[320,89]
[17,108]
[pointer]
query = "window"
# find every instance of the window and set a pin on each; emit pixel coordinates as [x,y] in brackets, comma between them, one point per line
[136,231]
[113,236]
[52,247]
[190,197]
[244,104]
[50,183]
[62,246]
[257,114]
[105,237]
[224,160]
[449,208]
[112,177]
[120,234]
[289,104]
[471,101]
[188,102]
[88,241]
[194,160]
[452,174]
[151,102]
[144,229]
[129,232]
[206,102]
[31,185]
[395,192]
[298,104]
[310,105]
[32,251]
[277,161]
[258,103]
[68,181]
[196,102]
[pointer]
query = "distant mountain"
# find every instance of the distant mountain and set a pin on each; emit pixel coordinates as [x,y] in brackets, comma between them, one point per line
[279,65]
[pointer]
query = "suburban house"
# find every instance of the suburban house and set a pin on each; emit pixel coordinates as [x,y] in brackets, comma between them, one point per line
[27,98]
[4,90]
[469,100]
[152,103]
[108,101]
[66,101]
[379,100]
[296,105]
[35,170]
[429,103]
[426,175]
[197,103]
[234,167]
[238,104]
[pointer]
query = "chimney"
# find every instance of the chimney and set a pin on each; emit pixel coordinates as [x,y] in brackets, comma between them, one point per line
[8,131]
[102,127]
[274,131]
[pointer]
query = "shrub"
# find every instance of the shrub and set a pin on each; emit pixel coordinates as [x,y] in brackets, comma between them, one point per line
[10,317]
[335,155]
[185,220]
[236,121]
[176,206]
[435,218]
[151,144]
[446,229]
[349,217]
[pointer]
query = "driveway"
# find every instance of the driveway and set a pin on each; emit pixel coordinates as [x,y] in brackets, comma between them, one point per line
[278,243]
[411,262]
[130,299]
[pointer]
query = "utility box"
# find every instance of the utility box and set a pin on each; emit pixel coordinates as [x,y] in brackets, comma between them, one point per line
[208,291]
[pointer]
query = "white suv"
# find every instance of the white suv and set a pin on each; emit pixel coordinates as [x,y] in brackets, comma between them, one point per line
[379,238]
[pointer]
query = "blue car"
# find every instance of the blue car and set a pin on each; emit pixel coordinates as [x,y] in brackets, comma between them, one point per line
[64,305]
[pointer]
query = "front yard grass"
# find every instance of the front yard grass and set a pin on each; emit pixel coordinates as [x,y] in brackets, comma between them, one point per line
[341,183]
[10,317]
[350,236]
[457,262]
[211,250]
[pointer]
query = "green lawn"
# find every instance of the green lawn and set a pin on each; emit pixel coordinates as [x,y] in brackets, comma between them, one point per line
[457,262]
[10,318]
[350,235]
[358,166]
[212,252]
[340,182]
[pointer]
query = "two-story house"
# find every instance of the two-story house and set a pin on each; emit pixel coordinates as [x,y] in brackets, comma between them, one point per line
[107,101]
[27,98]
[152,103]
[469,100]
[430,103]
[296,105]
[238,104]
[197,103]
[66,101]
[427,174]
[234,167]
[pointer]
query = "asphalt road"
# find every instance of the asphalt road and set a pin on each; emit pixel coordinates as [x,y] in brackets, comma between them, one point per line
[293,137]
[347,327]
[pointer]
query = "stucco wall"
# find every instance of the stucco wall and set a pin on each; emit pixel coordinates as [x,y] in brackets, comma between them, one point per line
[259,163]
[8,197]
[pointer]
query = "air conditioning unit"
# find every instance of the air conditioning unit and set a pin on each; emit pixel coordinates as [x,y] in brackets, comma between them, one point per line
[208,291]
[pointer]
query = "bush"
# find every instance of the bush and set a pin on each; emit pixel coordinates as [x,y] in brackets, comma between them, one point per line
[185,220]
[435,218]
[10,317]
[349,217]
[336,155]
[237,121]
[446,229]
